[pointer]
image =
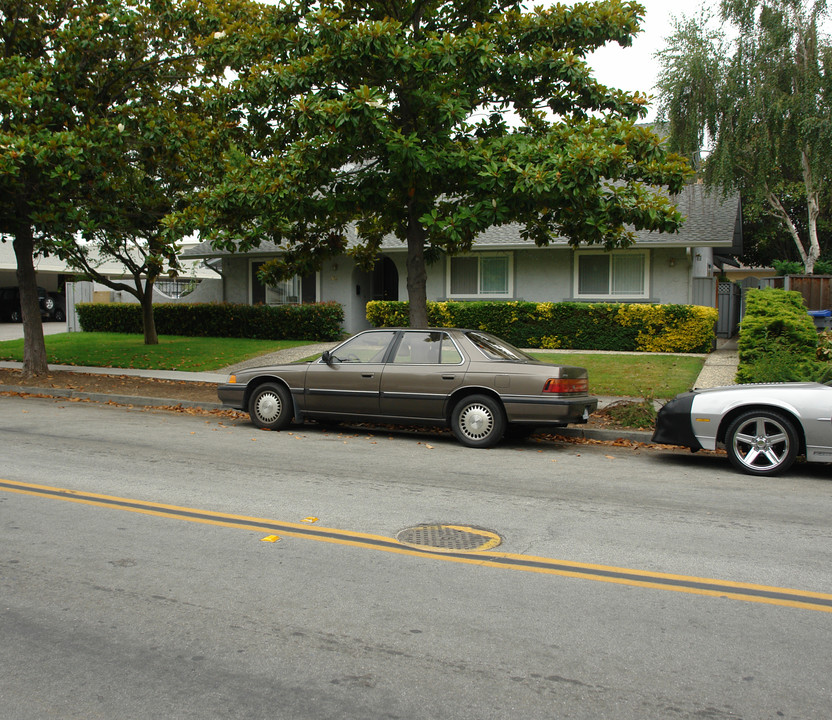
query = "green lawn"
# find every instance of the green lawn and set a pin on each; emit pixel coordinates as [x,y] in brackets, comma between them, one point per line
[655,376]
[129,351]
[659,376]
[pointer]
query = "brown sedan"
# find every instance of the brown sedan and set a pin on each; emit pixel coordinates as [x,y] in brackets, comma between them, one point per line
[469,380]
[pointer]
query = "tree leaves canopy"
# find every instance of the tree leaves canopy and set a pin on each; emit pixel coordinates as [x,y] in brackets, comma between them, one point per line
[762,101]
[432,121]
[104,127]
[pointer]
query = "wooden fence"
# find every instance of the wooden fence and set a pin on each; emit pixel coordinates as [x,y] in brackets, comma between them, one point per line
[815,289]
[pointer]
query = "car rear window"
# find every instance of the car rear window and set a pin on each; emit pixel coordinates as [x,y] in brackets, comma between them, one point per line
[495,349]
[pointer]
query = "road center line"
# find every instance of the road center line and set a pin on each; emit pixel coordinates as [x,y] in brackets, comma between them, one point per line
[747,592]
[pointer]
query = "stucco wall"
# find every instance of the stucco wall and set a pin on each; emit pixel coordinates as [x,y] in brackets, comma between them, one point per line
[540,275]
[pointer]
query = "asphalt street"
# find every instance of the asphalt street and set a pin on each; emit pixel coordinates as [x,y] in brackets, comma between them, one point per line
[199,568]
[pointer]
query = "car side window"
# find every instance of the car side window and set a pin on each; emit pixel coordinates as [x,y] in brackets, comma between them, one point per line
[364,348]
[426,348]
[450,354]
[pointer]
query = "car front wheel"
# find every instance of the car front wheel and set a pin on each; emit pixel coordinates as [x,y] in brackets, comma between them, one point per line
[478,421]
[270,406]
[761,442]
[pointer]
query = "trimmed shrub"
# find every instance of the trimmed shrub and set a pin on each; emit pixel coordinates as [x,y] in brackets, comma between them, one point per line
[778,341]
[578,326]
[314,321]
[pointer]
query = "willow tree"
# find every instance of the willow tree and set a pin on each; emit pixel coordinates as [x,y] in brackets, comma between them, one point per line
[760,104]
[430,121]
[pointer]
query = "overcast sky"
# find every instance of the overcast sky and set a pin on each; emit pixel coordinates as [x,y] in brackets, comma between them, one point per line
[634,68]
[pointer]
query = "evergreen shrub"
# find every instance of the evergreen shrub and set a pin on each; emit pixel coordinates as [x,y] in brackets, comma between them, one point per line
[313,321]
[778,341]
[569,325]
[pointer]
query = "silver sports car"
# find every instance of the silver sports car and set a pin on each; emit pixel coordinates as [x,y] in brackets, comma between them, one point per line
[476,383]
[763,427]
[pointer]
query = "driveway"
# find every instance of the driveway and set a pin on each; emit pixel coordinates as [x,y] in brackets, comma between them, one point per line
[14,331]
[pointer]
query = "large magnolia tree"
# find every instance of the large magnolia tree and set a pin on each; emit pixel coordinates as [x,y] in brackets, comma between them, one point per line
[760,104]
[431,121]
[103,127]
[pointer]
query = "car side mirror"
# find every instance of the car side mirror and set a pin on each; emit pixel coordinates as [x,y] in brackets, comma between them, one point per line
[326,356]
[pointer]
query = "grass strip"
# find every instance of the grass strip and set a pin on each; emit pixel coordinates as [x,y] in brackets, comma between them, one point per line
[654,376]
[174,352]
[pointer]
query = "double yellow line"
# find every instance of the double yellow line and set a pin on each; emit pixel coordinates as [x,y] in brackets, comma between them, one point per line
[747,592]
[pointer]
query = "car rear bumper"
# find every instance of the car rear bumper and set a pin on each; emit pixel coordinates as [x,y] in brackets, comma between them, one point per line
[232,394]
[549,410]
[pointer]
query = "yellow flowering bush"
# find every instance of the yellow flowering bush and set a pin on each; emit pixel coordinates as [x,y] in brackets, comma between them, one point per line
[670,328]
[584,326]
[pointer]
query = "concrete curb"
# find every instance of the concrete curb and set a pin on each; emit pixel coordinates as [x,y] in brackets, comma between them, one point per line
[109,398]
[638,436]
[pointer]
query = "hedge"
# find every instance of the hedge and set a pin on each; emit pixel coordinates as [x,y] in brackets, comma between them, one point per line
[314,321]
[578,326]
[778,340]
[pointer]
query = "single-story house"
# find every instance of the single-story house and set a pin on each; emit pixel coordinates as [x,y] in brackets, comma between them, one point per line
[53,274]
[658,268]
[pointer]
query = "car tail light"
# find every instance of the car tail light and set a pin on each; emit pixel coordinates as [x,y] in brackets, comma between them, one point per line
[566,385]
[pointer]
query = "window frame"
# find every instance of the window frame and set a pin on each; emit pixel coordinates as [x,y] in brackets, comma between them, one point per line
[609,295]
[479,294]
[269,290]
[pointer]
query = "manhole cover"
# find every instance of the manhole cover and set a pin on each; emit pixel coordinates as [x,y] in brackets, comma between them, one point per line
[449,537]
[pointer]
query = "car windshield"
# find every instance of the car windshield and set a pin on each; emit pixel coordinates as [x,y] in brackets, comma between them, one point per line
[495,349]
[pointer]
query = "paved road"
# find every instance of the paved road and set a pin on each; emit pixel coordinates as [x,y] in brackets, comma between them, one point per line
[113,609]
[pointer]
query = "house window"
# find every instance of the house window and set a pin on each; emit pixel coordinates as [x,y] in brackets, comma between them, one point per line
[612,275]
[293,291]
[286,292]
[485,275]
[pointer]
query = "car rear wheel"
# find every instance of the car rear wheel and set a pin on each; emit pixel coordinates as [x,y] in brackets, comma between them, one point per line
[478,421]
[761,442]
[270,406]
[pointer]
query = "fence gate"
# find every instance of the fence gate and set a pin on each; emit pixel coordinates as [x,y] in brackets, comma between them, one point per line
[729,302]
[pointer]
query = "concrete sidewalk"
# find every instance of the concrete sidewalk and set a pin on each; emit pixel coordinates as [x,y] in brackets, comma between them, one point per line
[719,369]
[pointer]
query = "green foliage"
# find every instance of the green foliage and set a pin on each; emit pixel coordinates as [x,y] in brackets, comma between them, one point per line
[391,119]
[787,267]
[763,98]
[823,266]
[824,351]
[314,321]
[105,125]
[778,340]
[580,326]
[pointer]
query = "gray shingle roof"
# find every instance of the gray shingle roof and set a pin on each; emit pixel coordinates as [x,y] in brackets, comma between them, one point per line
[711,220]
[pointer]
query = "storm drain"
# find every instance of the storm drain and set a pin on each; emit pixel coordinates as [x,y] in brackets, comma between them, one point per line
[449,538]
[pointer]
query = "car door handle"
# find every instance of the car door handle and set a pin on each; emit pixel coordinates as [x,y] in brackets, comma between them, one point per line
[367,375]
[449,377]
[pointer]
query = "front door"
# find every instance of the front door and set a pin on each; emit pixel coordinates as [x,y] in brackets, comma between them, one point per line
[349,384]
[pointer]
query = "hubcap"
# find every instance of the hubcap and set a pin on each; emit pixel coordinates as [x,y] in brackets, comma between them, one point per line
[476,421]
[268,407]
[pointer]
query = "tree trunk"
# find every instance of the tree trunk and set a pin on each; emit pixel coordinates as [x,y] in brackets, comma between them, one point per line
[416,274]
[148,320]
[34,347]
[813,207]
[807,257]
